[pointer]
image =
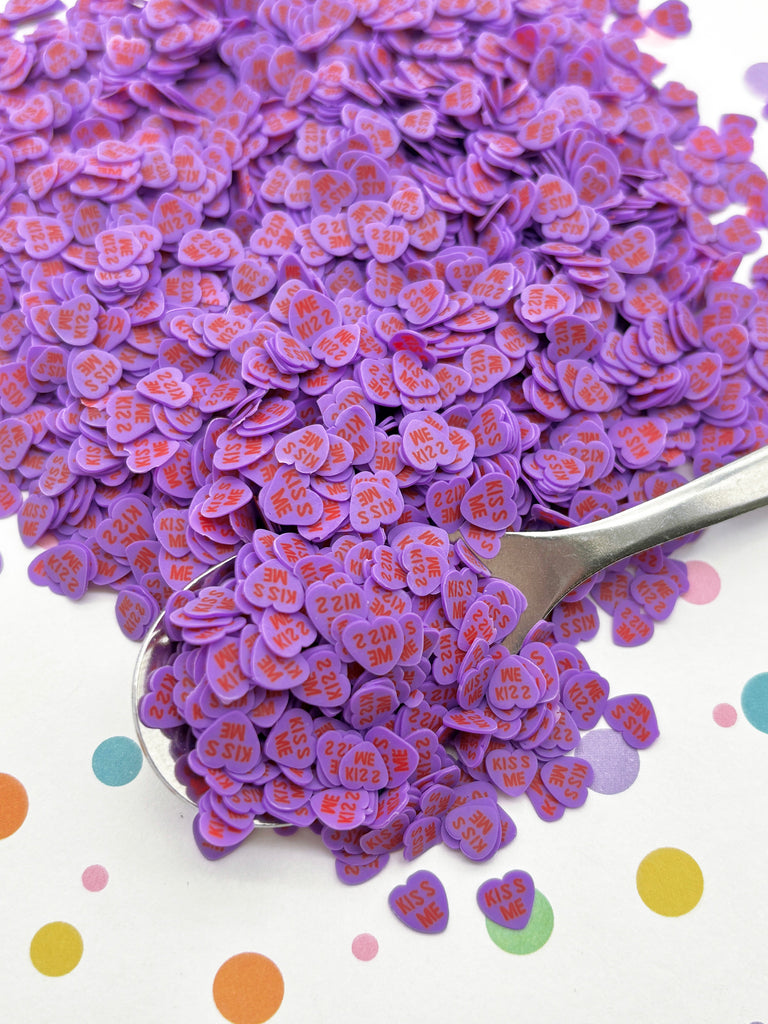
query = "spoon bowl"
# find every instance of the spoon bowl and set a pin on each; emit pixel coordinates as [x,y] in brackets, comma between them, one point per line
[544,566]
[162,748]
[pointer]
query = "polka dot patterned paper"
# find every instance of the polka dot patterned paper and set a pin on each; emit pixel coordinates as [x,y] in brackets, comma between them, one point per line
[110,912]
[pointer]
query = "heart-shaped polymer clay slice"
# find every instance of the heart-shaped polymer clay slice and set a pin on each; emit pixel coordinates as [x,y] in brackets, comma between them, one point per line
[421,903]
[508,901]
[633,716]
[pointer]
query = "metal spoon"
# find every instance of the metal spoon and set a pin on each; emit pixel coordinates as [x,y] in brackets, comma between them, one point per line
[545,566]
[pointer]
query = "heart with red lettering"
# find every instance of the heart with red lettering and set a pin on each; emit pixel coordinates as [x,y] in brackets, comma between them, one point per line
[305,449]
[291,741]
[633,716]
[411,377]
[630,627]
[555,197]
[422,300]
[508,901]
[400,757]
[327,684]
[477,828]
[331,232]
[67,567]
[443,502]
[458,590]
[490,503]
[75,320]
[408,202]
[16,436]
[463,98]
[231,743]
[215,837]
[541,131]
[363,767]
[511,771]
[166,386]
[332,746]
[418,123]
[585,695]
[655,594]
[632,251]
[568,780]
[420,835]
[287,633]
[342,808]
[338,345]
[288,500]
[157,708]
[639,442]
[474,681]
[421,903]
[376,646]
[376,501]
[387,242]
[276,234]
[669,19]
[325,603]
[436,799]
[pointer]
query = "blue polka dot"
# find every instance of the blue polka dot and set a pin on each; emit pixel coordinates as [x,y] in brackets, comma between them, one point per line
[754,701]
[116,761]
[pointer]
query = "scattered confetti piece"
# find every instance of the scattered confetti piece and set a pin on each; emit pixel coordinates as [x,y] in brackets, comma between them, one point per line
[669,882]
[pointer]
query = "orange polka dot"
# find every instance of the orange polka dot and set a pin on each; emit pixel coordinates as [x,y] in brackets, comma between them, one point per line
[14,805]
[248,989]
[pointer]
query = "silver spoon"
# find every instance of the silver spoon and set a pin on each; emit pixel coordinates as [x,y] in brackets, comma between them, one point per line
[548,565]
[545,566]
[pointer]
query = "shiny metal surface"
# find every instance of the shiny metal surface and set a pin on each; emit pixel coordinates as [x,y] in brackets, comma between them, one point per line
[545,566]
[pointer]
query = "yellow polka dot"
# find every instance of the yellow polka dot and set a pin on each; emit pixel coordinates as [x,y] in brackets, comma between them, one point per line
[14,805]
[248,989]
[56,949]
[669,881]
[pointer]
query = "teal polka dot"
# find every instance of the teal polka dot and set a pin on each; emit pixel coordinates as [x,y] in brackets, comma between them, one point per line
[116,761]
[754,701]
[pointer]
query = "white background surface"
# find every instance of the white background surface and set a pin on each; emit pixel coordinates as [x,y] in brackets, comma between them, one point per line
[155,936]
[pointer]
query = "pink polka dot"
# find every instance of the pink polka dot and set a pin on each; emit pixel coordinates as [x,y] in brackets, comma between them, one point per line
[95,877]
[365,946]
[724,715]
[703,583]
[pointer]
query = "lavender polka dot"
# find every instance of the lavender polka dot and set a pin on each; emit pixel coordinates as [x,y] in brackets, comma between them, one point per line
[613,761]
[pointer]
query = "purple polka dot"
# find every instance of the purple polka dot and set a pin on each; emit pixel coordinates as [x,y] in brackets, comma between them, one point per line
[703,583]
[95,877]
[724,715]
[365,946]
[613,761]
[756,77]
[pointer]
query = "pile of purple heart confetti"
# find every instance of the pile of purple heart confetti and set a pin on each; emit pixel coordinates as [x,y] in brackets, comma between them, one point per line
[344,290]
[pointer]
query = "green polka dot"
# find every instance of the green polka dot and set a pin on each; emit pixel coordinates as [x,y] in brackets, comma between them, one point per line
[535,934]
[754,701]
[116,761]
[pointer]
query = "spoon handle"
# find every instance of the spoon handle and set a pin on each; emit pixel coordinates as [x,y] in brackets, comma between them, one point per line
[738,487]
[547,565]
